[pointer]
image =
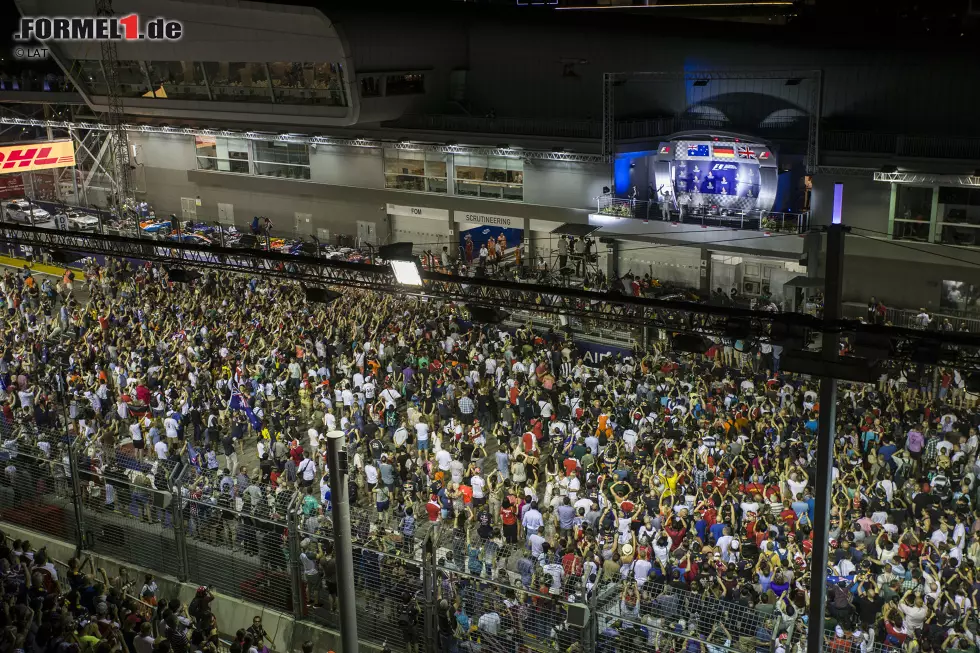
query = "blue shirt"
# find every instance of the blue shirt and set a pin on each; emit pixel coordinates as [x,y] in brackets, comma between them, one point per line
[888,451]
[717,530]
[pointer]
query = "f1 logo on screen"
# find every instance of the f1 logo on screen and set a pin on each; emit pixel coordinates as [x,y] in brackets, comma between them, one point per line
[24,158]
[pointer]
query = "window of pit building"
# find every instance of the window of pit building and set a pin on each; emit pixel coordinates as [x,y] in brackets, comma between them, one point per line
[408,84]
[281,159]
[222,154]
[237,80]
[416,170]
[489,176]
[308,83]
[178,80]
[913,213]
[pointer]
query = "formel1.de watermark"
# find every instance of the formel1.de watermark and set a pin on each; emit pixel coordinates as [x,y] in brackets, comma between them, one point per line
[98,28]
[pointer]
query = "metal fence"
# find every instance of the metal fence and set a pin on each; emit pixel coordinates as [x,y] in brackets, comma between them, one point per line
[908,318]
[705,216]
[418,585]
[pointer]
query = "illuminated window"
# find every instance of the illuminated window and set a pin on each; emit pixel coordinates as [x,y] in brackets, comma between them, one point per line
[222,154]
[493,177]
[241,81]
[419,171]
[177,80]
[308,83]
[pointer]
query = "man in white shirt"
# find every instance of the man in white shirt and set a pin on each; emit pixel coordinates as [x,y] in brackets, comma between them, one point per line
[371,474]
[422,435]
[478,485]
[161,449]
[444,460]
[391,397]
[400,435]
[170,426]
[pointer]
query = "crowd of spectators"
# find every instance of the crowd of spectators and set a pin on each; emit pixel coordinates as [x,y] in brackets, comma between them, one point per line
[672,491]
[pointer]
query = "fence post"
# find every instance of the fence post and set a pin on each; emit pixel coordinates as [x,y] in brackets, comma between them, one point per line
[430,588]
[295,572]
[76,493]
[180,528]
[590,634]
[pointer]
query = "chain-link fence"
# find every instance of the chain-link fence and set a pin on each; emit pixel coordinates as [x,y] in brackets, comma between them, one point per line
[661,613]
[36,490]
[236,535]
[126,507]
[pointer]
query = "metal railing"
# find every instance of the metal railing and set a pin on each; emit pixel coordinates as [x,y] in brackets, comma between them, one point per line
[714,216]
[908,318]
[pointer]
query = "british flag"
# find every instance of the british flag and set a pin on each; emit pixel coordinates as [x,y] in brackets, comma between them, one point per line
[744,152]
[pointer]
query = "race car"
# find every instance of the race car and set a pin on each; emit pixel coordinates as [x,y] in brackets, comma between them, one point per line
[25,211]
[194,239]
[155,227]
[81,221]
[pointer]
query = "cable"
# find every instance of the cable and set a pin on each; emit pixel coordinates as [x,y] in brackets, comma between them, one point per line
[921,251]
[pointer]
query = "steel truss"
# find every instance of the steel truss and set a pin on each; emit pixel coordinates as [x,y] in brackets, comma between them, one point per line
[118,141]
[673,316]
[514,152]
[909,345]
[927,178]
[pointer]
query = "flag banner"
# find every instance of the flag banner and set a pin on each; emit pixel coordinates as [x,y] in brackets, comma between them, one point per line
[238,402]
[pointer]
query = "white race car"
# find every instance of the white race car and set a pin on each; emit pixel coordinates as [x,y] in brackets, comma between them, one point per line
[82,221]
[25,211]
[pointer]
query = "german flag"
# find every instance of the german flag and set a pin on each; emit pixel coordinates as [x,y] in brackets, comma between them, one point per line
[725,151]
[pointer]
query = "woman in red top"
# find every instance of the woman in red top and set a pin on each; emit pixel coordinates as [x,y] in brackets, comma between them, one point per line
[509,519]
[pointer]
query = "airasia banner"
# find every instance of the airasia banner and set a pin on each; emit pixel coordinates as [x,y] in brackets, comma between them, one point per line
[36,156]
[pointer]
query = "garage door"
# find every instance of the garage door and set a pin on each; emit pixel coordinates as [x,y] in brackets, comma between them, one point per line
[424,233]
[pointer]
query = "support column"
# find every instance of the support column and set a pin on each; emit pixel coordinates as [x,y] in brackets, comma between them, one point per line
[826,434]
[934,216]
[56,173]
[430,586]
[343,549]
[180,528]
[612,257]
[295,566]
[705,285]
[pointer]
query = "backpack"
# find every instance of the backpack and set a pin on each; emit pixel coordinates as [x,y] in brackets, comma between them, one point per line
[406,614]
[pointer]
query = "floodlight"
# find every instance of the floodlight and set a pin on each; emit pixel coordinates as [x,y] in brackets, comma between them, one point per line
[403,263]
[407,273]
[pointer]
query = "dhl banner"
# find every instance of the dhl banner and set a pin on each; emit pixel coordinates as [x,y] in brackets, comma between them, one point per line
[36,156]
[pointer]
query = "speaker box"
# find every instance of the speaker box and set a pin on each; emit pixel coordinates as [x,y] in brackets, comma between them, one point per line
[578,615]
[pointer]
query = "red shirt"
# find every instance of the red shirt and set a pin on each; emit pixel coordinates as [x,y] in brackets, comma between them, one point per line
[433,510]
[528,440]
[508,517]
[570,465]
[572,564]
[789,516]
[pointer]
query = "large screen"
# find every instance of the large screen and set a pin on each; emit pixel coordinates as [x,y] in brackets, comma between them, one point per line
[717,178]
[961,296]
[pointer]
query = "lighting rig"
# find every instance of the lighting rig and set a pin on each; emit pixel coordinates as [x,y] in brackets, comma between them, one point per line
[687,324]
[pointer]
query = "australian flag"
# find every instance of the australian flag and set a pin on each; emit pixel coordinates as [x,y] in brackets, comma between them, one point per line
[238,402]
